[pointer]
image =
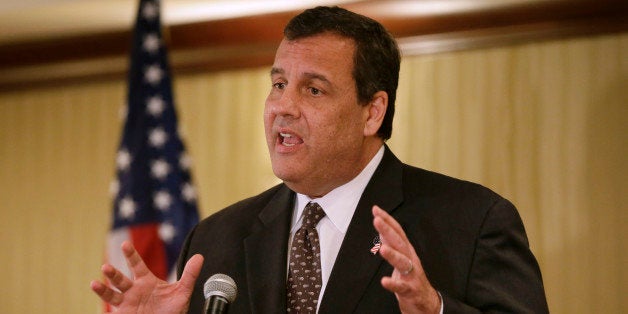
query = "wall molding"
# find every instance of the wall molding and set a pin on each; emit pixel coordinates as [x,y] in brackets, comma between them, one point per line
[251,41]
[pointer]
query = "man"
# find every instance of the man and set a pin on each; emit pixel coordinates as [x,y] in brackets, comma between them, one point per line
[392,238]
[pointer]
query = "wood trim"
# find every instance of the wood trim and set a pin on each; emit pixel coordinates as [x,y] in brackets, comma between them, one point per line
[251,41]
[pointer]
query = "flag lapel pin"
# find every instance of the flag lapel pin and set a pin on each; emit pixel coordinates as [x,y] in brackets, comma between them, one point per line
[376,245]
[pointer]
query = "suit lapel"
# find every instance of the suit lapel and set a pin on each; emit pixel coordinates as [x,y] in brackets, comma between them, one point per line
[265,255]
[355,266]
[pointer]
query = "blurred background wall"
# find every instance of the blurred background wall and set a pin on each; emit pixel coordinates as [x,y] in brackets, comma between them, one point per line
[541,122]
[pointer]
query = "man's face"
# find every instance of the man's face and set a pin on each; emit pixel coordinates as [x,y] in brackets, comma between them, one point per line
[314,124]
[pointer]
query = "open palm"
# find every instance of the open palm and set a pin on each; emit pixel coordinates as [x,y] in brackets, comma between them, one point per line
[145,293]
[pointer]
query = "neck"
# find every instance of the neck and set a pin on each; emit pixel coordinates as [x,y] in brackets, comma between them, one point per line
[334,182]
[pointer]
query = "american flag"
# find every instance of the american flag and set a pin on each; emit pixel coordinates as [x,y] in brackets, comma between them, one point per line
[154,203]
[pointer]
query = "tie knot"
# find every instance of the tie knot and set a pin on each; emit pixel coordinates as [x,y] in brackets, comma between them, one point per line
[312,215]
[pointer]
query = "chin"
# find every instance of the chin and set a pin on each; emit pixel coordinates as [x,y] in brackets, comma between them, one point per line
[290,176]
[287,178]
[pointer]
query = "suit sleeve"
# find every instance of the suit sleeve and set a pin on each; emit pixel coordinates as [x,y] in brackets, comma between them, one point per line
[504,275]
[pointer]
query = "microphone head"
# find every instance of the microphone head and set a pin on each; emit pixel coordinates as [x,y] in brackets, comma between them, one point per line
[221,285]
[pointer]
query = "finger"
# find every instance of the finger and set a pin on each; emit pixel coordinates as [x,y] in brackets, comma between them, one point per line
[399,287]
[389,220]
[390,236]
[116,278]
[105,293]
[403,264]
[134,260]
[394,248]
[190,273]
[410,295]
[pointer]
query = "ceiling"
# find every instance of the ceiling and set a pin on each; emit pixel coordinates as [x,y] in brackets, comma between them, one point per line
[27,20]
[32,20]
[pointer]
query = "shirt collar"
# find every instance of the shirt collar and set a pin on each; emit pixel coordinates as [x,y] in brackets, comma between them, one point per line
[340,204]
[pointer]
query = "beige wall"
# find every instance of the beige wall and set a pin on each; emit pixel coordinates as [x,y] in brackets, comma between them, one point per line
[543,124]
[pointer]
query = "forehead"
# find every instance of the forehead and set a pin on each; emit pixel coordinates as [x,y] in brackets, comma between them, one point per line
[326,53]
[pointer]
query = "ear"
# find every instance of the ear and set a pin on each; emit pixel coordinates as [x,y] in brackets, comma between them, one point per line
[376,110]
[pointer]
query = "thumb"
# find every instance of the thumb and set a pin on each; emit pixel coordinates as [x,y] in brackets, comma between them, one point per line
[190,273]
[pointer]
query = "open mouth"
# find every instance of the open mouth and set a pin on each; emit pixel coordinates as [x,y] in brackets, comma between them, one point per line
[289,140]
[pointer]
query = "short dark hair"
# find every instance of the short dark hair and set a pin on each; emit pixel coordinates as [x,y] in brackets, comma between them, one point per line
[376,60]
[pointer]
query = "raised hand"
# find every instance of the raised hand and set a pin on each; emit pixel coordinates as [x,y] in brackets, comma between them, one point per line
[145,293]
[408,281]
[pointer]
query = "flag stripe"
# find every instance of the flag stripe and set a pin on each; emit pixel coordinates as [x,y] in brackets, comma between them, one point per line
[146,240]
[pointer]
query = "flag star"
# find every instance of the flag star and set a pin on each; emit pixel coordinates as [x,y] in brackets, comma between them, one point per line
[189,193]
[150,11]
[162,200]
[151,43]
[185,162]
[123,160]
[114,187]
[167,232]
[157,137]
[160,169]
[155,106]
[127,208]
[153,74]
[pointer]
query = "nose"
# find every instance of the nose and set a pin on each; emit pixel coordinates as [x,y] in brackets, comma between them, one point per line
[284,103]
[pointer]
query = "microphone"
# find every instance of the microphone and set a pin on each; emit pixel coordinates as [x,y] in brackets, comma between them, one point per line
[219,291]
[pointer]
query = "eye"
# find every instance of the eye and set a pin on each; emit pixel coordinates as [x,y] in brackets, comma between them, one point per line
[279,85]
[315,91]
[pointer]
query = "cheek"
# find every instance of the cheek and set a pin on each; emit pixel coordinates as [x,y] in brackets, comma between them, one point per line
[337,127]
[268,120]
[266,108]
[268,129]
[268,117]
[348,121]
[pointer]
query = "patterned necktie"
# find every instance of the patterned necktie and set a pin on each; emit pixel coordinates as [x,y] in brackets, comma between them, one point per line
[304,275]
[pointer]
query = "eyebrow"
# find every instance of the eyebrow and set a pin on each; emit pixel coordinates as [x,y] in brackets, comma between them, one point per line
[307,75]
[316,76]
[274,71]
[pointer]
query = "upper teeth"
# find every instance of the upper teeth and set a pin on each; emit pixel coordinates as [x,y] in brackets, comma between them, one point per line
[284,136]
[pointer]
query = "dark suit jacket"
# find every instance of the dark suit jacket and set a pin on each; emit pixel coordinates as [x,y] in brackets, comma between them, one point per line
[471,243]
